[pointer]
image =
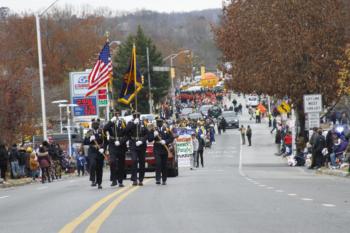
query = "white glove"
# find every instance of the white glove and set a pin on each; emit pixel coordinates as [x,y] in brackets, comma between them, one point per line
[139,143]
[114,119]
[136,121]
[101,150]
[162,142]
[117,143]
[127,144]
[156,133]
[92,138]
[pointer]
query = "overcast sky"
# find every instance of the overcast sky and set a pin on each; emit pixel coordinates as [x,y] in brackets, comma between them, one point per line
[118,5]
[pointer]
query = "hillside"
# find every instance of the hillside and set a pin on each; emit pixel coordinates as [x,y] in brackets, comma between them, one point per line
[173,31]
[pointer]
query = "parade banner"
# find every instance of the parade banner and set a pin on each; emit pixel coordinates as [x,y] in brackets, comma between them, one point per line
[184,151]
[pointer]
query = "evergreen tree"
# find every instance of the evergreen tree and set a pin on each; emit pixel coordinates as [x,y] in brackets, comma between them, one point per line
[159,80]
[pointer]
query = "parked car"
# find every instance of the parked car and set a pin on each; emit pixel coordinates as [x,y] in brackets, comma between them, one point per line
[185,111]
[195,116]
[232,120]
[214,112]
[204,109]
[253,100]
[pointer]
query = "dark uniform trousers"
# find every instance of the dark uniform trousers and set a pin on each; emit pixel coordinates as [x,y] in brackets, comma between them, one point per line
[96,165]
[117,163]
[138,155]
[161,154]
[161,166]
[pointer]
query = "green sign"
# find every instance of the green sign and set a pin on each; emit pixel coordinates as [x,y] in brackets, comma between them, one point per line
[102,102]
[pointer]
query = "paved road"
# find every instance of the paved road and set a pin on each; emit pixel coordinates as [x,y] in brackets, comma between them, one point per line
[261,195]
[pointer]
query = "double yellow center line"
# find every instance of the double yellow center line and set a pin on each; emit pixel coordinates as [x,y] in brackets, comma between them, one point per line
[101,218]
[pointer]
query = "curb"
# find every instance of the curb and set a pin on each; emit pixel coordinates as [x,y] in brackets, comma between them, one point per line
[27,181]
[329,172]
[9,185]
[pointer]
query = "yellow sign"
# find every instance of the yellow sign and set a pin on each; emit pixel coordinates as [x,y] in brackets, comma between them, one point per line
[202,71]
[172,72]
[284,108]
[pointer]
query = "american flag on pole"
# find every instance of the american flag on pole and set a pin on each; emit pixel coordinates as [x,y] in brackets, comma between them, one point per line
[102,71]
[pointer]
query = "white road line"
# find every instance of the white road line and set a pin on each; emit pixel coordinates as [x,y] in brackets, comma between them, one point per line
[306,199]
[72,181]
[262,185]
[3,197]
[279,191]
[292,194]
[270,188]
[42,188]
[328,205]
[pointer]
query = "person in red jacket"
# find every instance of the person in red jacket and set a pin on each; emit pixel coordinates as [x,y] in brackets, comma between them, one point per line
[288,143]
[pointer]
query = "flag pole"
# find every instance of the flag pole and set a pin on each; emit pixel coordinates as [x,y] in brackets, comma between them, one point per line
[108,87]
[135,86]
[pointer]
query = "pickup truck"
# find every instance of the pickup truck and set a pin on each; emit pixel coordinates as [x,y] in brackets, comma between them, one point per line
[150,165]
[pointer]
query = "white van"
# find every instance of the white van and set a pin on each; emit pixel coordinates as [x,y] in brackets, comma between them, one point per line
[253,100]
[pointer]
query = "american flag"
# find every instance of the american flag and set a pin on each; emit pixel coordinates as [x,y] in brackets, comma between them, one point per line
[102,71]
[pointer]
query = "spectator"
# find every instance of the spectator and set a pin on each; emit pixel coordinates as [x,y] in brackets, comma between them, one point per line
[44,161]
[81,162]
[320,144]
[195,145]
[201,145]
[288,139]
[14,161]
[249,135]
[274,124]
[278,139]
[34,165]
[21,162]
[3,161]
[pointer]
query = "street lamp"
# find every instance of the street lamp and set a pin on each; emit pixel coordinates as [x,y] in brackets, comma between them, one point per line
[41,73]
[59,102]
[68,125]
[172,57]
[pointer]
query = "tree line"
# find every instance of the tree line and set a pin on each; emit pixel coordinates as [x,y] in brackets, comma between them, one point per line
[287,48]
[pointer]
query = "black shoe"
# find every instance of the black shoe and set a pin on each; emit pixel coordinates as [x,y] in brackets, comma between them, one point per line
[164,183]
[93,184]
[140,183]
[114,183]
[134,183]
[121,185]
[158,182]
[99,186]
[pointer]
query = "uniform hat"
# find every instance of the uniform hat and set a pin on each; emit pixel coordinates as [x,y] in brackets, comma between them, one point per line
[135,113]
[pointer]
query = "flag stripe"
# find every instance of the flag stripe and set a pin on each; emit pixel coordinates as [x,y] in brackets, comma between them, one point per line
[102,70]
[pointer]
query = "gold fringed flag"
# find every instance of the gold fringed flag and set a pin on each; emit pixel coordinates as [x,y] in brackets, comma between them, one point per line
[132,81]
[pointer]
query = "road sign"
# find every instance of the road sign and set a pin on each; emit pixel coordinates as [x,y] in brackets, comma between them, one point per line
[161,68]
[284,107]
[312,103]
[313,120]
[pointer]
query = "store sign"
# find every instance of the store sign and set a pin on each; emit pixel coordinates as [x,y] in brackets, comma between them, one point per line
[86,106]
[79,83]
[312,103]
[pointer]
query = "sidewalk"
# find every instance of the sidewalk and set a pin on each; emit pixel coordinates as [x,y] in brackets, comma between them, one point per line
[264,148]
[25,181]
